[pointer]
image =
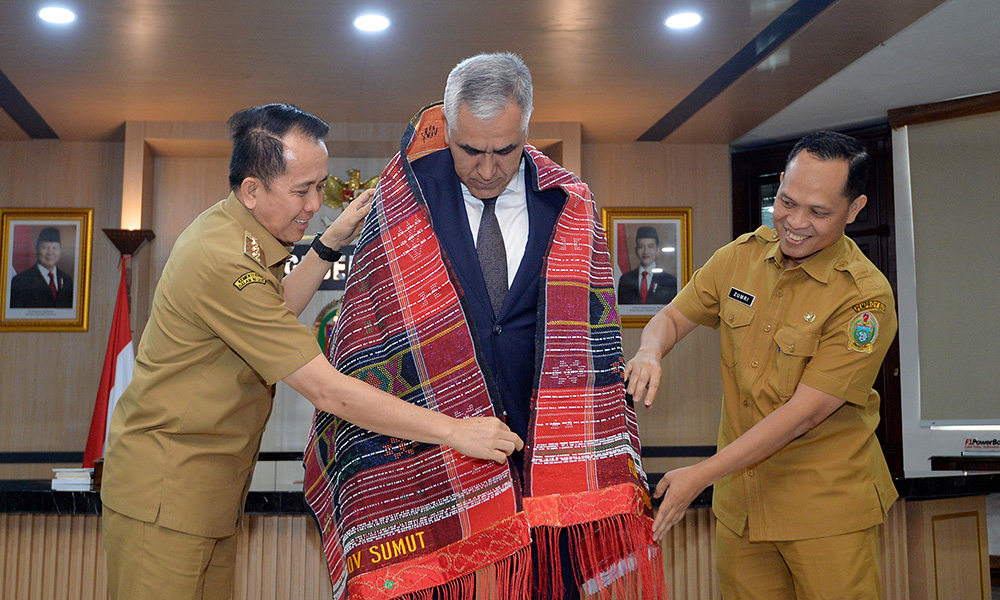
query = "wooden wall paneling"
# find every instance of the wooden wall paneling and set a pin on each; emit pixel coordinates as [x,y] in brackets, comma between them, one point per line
[643,174]
[948,556]
[57,373]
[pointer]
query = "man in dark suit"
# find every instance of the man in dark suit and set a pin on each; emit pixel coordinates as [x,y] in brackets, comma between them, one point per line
[647,283]
[494,226]
[43,285]
[487,165]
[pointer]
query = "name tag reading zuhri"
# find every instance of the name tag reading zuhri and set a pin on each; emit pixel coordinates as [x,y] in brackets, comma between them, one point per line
[741,296]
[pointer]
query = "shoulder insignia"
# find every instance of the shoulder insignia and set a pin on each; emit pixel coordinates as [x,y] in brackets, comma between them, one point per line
[869,305]
[251,247]
[247,278]
[862,332]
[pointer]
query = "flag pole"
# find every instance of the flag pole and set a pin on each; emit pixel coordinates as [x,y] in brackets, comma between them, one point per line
[119,357]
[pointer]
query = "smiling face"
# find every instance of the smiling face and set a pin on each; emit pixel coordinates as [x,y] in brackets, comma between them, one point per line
[48,254]
[486,153]
[810,210]
[286,207]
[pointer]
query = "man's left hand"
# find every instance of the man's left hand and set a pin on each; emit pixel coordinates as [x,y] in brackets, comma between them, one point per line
[678,488]
[348,224]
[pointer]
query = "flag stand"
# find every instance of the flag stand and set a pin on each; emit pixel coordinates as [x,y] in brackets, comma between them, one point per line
[118,360]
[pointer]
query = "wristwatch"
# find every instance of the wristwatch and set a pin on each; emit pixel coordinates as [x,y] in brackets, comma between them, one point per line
[325,252]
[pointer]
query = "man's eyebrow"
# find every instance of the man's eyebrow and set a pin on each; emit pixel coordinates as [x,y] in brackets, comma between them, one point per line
[504,150]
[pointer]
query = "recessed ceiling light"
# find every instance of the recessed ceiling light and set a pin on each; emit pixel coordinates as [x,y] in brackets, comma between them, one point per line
[56,14]
[371,22]
[683,20]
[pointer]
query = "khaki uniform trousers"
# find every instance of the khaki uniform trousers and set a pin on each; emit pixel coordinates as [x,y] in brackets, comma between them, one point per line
[149,562]
[839,567]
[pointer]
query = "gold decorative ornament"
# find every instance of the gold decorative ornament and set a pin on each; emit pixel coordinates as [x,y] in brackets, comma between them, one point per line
[337,193]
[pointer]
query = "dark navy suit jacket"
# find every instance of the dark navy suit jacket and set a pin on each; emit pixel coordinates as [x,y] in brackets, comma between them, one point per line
[505,345]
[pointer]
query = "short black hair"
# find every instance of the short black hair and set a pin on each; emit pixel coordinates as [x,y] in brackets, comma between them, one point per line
[830,145]
[257,147]
[646,232]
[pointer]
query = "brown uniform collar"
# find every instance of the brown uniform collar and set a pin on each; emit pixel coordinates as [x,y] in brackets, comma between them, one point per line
[272,251]
[819,266]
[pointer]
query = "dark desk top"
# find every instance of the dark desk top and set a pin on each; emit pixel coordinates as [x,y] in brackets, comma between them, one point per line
[34,496]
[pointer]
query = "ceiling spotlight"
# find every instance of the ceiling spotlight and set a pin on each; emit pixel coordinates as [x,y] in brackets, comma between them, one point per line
[371,22]
[55,14]
[683,20]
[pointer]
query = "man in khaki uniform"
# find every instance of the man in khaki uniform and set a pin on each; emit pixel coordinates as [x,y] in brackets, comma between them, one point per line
[223,330]
[800,481]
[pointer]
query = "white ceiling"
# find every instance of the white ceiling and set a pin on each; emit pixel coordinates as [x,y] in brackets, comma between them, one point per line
[951,52]
[608,64]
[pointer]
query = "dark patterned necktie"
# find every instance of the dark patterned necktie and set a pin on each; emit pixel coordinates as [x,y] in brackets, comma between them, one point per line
[492,255]
[52,285]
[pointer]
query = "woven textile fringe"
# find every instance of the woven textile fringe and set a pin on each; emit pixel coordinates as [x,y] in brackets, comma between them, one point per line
[610,553]
[509,579]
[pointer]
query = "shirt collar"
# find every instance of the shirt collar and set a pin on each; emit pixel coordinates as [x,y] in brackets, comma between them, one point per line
[275,252]
[819,266]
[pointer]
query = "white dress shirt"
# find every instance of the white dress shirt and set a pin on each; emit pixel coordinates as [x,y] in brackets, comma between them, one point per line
[512,214]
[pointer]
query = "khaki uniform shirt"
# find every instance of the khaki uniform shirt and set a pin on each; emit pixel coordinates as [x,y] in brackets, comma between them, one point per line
[184,436]
[826,323]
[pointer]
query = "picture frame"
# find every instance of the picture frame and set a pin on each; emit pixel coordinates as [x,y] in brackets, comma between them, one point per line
[665,249]
[36,242]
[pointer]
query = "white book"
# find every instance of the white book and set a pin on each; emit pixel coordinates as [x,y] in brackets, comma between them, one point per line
[71,485]
[86,474]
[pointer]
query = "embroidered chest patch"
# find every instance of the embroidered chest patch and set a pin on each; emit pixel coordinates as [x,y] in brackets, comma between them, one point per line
[248,278]
[862,332]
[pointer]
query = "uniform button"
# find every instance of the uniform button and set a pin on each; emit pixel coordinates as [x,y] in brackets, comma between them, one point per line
[750,472]
[767,328]
[841,264]
[754,364]
[779,293]
[791,347]
[746,403]
[497,330]
[731,317]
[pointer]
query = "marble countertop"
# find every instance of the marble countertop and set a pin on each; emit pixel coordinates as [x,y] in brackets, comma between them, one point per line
[34,496]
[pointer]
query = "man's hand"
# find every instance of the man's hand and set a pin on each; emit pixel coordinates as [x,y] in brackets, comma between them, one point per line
[678,488]
[348,224]
[484,437]
[642,374]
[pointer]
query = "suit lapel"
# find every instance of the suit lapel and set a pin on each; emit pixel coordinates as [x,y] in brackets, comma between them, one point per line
[443,196]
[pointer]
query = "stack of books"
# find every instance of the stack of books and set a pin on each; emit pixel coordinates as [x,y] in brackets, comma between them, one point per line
[72,480]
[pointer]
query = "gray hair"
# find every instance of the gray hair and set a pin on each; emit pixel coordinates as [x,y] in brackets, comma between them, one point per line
[485,83]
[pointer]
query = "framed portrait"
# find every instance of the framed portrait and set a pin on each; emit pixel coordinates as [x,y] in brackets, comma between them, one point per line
[45,269]
[651,258]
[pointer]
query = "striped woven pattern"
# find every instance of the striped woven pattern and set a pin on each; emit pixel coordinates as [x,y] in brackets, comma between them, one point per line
[403,519]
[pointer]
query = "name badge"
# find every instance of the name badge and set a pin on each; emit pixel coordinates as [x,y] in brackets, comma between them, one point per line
[741,296]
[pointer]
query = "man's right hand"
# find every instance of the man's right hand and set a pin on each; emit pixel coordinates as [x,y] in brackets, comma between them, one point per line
[487,438]
[642,374]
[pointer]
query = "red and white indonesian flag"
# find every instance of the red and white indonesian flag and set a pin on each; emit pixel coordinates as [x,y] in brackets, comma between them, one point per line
[118,363]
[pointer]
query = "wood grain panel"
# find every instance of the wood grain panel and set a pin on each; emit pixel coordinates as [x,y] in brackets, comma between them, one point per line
[687,407]
[56,373]
[280,556]
[948,549]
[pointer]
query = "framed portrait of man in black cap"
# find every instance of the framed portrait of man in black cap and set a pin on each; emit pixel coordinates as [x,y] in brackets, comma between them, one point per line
[651,258]
[44,274]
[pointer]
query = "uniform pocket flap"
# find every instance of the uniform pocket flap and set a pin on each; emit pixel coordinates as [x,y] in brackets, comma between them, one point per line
[736,314]
[796,343]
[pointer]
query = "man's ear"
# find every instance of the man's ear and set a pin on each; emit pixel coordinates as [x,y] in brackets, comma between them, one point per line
[447,131]
[856,207]
[249,189]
